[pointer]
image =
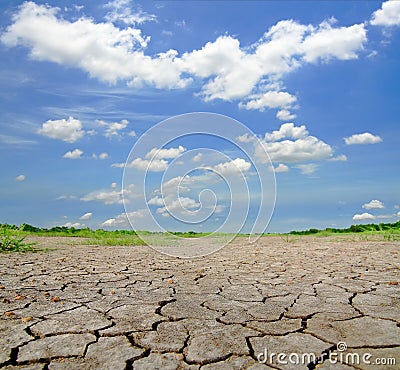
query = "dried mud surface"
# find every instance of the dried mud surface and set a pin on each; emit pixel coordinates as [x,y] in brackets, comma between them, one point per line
[92,307]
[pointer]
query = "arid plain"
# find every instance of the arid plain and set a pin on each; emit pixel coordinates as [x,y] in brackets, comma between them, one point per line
[94,307]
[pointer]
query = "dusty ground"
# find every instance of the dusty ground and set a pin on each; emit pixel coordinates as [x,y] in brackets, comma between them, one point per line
[88,307]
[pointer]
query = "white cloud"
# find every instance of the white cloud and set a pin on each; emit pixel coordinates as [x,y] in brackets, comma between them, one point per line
[74,154]
[179,183]
[225,69]
[363,216]
[66,130]
[103,50]
[285,115]
[156,201]
[127,12]
[339,158]
[287,130]
[178,205]
[327,43]
[270,99]
[86,216]
[112,129]
[109,196]
[234,73]
[20,178]
[156,165]
[280,168]
[307,169]
[132,133]
[306,149]
[385,217]
[387,15]
[373,204]
[364,138]
[121,220]
[104,196]
[155,159]
[197,157]
[103,155]
[297,146]
[170,153]
[75,225]
[67,197]
[233,167]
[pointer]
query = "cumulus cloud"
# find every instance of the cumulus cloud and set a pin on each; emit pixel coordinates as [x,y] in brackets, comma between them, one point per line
[169,198]
[287,130]
[73,154]
[292,144]
[102,49]
[75,225]
[104,196]
[280,168]
[121,220]
[233,167]
[285,115]
[20,178]
[289,144]
[156,201]
[182,204]
[156,165]
[339,158]
[363,216]
[86,216]
[197,157]
[307,169]
[387,15]
[69,130]
[225,70]
[101,156]
[373,204]
[110,196]
[113,129]
[327,43]
[364,138]
[154,161]
[170,153]
[270,99]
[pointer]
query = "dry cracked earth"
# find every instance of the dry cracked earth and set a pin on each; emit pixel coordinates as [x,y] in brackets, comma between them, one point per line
[91,307]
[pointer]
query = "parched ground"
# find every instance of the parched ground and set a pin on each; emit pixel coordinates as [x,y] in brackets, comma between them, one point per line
[88,307]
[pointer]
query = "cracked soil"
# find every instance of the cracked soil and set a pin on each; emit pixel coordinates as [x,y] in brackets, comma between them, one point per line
[90,307]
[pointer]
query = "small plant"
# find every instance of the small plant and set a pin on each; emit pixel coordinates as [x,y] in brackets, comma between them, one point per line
[10,242]
[288,238]
[391,235]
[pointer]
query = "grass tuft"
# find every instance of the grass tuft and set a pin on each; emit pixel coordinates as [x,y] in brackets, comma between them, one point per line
[12,242]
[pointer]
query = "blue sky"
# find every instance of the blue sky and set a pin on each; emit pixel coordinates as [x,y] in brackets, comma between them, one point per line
[315,83]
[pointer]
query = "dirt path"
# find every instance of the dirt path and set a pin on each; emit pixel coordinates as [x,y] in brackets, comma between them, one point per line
[87,307]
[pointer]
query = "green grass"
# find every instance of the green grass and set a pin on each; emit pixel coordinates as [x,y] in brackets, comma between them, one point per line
[107,240]
[12,241]
[12,237]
